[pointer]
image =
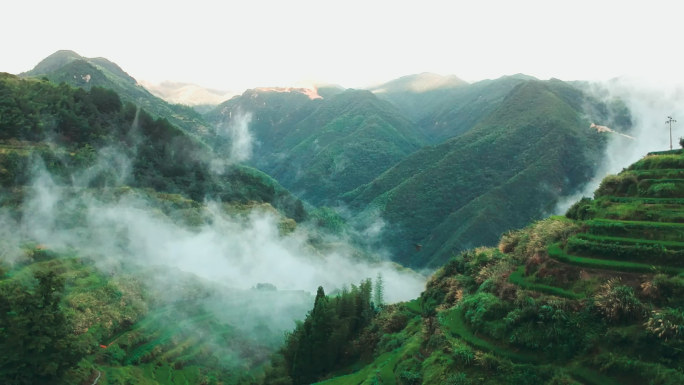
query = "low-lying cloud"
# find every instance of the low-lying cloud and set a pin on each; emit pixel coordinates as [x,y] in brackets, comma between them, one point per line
[650,105]
[124,230]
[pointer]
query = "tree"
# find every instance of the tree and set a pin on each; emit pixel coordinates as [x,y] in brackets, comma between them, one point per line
[324,341]
[36,345]
[378,291]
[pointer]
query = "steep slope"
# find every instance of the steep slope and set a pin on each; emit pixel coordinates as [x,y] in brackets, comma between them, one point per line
[322,148]
[458,113]
[450,109]
[562,301]
[417,96]
[509,169]
[77,71]
[129,254]
[94,136]
[123,320]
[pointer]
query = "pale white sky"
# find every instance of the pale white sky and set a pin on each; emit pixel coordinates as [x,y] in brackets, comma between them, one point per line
[233,45]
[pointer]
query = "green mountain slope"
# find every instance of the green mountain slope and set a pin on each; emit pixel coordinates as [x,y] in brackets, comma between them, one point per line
[77,71]
[80,302]
[140,324]
[566,300]
[129,254]
[417,96]
[105,142]
[512,167]
[322,148]
[450,109]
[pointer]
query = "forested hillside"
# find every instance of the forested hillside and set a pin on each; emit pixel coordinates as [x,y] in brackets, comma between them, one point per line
[92,189]
[110,143]
[131,253]
[445,107]
[595,297]
[75,70]
[322,148]
[511,168]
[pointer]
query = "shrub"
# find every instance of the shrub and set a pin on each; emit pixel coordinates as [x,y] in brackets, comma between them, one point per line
[617,303]
[581,210]
[458,379]
[619,185]
[482,307]
[666,323]
[662,190]
[409,372]
[546,232]
[509,241]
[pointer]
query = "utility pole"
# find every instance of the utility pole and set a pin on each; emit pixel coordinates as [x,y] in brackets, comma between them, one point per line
[670,121]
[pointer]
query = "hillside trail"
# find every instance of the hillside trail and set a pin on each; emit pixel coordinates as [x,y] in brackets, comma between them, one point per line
[99,374]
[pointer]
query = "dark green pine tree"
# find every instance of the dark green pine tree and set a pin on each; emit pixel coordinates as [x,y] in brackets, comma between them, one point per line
[378,291]
[36,345]
[324,341]
[322,325]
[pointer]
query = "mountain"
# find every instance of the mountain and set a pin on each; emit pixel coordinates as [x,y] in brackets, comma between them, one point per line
[566,300]
[107,142]
[103,239]
[320,147]
[418,83]
[188,94]
[417,95]
[449,110]
[510,168]
[131,253]
[75,70]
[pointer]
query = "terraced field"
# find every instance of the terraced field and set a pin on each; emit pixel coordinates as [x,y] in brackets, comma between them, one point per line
[636,220]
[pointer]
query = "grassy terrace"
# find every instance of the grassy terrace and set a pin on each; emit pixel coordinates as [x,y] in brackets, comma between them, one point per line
[559,254]
[641,209]
[644,200]
[625,249]
[672,160]
[518,277]
[671,173]
[669,245]
[453,323]
[662,231]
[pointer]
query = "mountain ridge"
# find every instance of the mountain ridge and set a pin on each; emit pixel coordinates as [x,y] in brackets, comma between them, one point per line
[73,69]
[455,172]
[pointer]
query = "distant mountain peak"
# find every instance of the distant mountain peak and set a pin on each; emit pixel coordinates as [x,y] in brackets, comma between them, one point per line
[420,83]
[311,92]
[55,61]
[187,93]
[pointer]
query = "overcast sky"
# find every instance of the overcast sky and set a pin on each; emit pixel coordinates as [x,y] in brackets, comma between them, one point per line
[232,45]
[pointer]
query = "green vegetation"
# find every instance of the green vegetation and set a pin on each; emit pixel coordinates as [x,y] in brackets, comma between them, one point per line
[36,343]
[70,68]
[65,321]
[563,301]
[324,341]
[468,190]
[321,148]
[71,322]
[94,135]
[566,300]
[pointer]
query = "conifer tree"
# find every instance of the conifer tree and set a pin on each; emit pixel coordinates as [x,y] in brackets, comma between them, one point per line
[378,291]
